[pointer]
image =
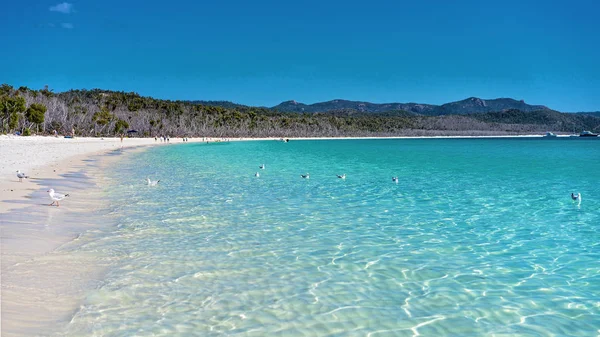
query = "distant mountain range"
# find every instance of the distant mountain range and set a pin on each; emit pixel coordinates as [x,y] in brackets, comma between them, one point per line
[223,104]
[467,106]
[471,105]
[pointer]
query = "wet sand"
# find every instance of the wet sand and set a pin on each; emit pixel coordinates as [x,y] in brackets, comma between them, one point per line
[49,157]
[43,275]
[44,278]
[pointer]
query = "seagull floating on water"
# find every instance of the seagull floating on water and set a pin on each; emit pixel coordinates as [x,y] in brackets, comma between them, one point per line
[152,182]
[305,176]
[262,167]
[56,197]
[21,175]
[343,176]
[576,197]
[257,174]
[395,179]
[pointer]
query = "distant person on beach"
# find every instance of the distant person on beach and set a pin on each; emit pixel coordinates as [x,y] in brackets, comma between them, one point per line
[73,132]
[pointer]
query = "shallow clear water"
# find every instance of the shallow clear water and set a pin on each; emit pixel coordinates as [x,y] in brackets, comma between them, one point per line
[479,238]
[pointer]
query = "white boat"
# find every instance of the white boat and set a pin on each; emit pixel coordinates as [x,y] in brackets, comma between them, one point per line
[549,135]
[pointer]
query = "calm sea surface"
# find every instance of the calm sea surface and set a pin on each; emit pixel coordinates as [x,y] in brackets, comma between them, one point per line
[480,237]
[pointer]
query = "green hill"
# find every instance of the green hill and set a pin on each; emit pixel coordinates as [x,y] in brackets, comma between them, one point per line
[100,112]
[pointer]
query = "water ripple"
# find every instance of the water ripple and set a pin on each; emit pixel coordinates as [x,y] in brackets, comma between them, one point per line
[471,242]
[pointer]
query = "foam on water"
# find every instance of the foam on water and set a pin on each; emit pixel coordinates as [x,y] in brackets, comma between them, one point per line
[479,238]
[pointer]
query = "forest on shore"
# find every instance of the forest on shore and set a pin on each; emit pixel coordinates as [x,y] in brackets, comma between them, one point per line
[99,112]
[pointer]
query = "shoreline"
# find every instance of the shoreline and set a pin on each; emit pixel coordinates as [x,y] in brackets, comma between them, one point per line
[56,155]
[46,158]
[44,277]
[42,283]
[32,235]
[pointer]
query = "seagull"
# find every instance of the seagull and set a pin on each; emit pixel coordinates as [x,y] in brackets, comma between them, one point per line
[21,175]
[343,176]
[395,179]
[56,197]
[257,174]
[305,176]
[152,182]
[262,167]
[576,197]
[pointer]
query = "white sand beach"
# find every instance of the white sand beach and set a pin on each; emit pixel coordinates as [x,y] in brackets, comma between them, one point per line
[48,157]
[41,286]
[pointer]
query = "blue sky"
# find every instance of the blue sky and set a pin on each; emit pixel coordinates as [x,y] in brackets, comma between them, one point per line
[265,52]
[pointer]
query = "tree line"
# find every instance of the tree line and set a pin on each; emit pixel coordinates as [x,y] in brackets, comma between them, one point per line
[99,112]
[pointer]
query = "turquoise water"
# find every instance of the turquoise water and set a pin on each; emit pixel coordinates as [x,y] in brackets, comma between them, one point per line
[479,238]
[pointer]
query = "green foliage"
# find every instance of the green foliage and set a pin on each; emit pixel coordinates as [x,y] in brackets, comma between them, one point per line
[47,92]
[135,104]
[120,125]
[27,132]
[10,109]
[551,120]
[35,113]
[103,116]
[12,104]
[5,89]
[13,121]
[224,119]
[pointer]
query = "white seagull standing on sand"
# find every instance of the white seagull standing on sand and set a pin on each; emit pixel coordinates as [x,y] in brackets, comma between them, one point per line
[56,197]
[343,176]
[152,182]
[305,176]
[21,175]
[262,167]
